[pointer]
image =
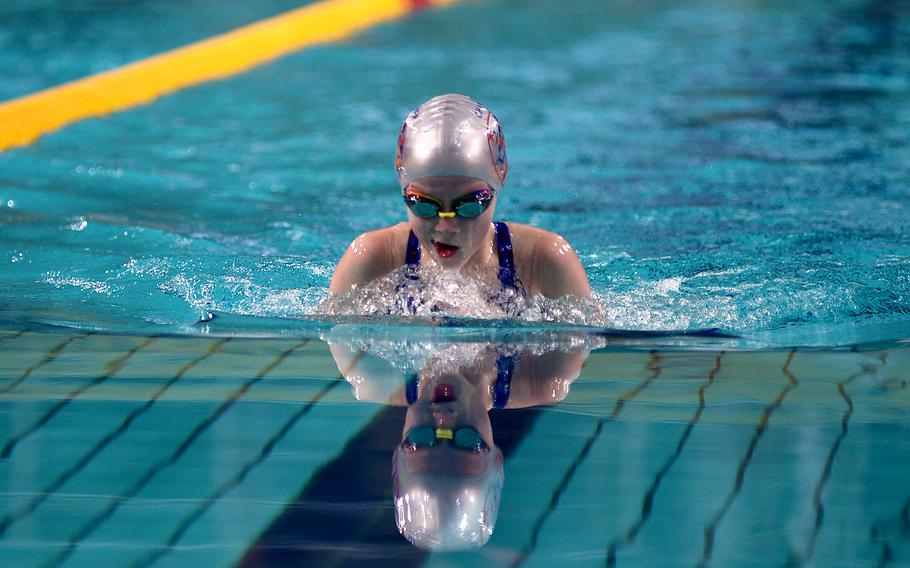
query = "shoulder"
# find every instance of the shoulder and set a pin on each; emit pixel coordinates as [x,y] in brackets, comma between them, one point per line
[535,240]
[369,256]
[545,378]
[547,263]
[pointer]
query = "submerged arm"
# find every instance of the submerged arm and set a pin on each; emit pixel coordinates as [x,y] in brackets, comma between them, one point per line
[545,378]
[373,379]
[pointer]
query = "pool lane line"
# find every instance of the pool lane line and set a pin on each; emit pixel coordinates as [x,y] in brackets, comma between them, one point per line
[365,534]
[355,530]
[631,534]
[25,119]
[188,521]
[110,369]
[12,335]
[104,442]
[902,519]
[653,366]
[237,479]
[48,357]
[764,421]
[798,559]
[96,521]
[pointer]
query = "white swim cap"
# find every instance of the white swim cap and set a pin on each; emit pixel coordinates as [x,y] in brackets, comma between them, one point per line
[447,510]
[451,135]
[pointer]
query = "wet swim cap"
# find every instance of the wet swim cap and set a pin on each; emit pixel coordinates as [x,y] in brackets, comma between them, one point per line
[451,135]
[445,510]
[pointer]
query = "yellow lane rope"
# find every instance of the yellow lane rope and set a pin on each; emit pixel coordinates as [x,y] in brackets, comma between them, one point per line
[25,119]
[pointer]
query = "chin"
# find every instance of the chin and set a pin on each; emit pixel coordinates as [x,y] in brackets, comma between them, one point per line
[451,262]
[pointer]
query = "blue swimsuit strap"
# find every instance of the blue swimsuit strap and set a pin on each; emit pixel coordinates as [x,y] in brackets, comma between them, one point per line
[502,388]
[507,273]
[412,254]
[412,387]
[505,366]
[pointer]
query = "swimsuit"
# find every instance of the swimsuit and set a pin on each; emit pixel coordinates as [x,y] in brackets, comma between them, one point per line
[502,388]
[508,276]
[507,273]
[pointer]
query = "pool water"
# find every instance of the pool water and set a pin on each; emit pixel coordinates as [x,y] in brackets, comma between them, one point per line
[167,393]
[715,165]
[133,450]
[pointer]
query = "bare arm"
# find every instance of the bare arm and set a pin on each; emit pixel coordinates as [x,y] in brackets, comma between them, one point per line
[545,379]
[557,270]
[372,378]
[368,257]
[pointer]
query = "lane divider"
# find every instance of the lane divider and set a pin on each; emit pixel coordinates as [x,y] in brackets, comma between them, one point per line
[25,119]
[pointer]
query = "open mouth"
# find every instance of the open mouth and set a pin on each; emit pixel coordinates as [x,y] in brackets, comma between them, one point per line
[443,250]
[444,393]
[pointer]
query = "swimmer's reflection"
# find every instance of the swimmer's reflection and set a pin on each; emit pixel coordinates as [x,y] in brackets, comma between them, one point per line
[447,472]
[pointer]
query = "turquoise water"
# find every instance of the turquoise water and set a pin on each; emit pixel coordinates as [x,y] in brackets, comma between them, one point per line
[731,166]
[717,165]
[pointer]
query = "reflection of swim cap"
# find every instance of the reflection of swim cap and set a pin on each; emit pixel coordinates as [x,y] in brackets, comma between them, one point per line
[451,135]
[447,510]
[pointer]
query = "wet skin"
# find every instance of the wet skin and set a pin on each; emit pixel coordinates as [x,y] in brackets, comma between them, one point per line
[545,261]
[466,403]
[454,242]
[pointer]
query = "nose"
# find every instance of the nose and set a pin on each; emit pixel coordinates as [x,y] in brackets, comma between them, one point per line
[447,224]
[444,417]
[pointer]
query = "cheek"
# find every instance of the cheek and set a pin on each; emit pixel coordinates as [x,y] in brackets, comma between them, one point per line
[418,225]
[479,233]
[481,226]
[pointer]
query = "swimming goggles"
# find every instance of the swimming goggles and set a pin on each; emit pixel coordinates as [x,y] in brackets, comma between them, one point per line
[467,206]
[467,439]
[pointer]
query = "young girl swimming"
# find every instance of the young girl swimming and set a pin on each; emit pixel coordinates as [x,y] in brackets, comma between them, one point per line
[451,163]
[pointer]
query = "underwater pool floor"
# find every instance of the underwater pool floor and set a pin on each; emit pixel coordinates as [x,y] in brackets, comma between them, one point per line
[132,450]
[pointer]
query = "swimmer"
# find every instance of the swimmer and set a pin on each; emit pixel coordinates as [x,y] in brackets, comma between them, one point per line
[447,472]
[452,164]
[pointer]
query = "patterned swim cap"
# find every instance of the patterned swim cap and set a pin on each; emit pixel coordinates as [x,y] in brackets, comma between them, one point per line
[451,135]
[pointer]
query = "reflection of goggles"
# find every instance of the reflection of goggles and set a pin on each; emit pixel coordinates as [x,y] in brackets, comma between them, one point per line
[467,206]
[467,439]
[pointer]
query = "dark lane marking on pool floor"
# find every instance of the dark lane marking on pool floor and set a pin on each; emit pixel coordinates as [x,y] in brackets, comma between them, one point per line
[654,367]
[158,552]
[110,369]
[711,528]
[48,357]
[334,521]
[648,501]
[818,506]
[200,428]
[11,336]
[315,531]
[104,442]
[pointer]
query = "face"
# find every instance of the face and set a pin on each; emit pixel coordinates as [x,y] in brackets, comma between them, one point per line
[456,399]
[452,400]
[453,241]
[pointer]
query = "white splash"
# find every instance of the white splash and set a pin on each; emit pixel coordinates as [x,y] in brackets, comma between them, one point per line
[439,292]
[58,281]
